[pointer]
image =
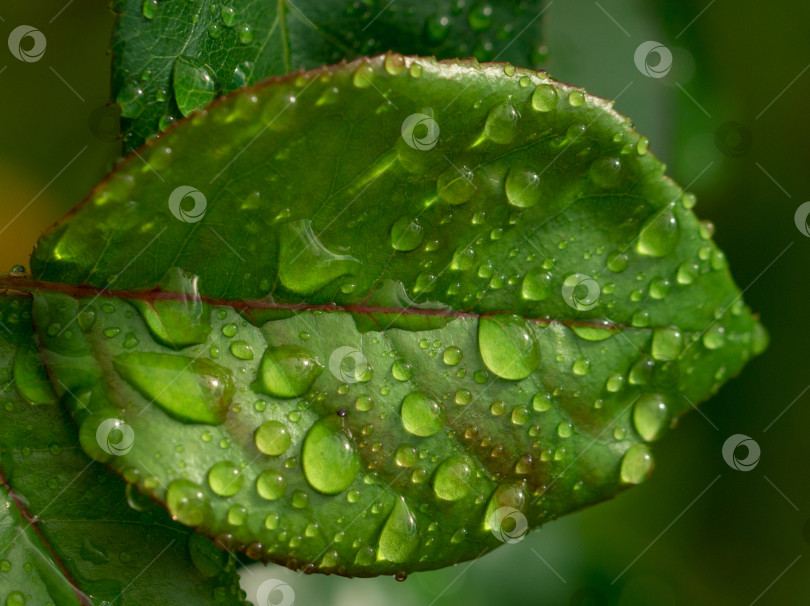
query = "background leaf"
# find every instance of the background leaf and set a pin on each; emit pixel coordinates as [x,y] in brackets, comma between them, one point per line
[172,57]
[533,193]
[67,533]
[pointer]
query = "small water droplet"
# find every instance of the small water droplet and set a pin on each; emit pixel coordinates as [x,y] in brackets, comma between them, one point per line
[522,187]
[501,124]
[287,371]
[544,98]
[421,414]
[660,234]
[271,485]
[406,234]
[452,356]
[187,503]
[272,438]
[329,459]
[451,481]
[666,343]
[225,479]
[650,416]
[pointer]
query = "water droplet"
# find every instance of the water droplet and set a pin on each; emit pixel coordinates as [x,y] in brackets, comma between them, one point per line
[241,350]
[362,76]
[401,370]
[5,565]
[30,377]
[522,187]
[666,343]
[305,264]
[271,485]
[187,503]
[228,15]
[650,416]
[421,414]
[714,337]
[456,186]
[606,172]
[329,458]
[637,464]
[225,479]
[399,538]
[272,438]
[15,598]
[406,234]
[508,346]
[642,146]
[245,34]
[452,356]
[536,285]
[287,371]
[659,288]
[237,515]
[501,123]
[582,366]
[149,8]
[544,98]
[195,84]
[405,456]
[520,415]
[576,98]
[687,272]
[660,234]
[364,403]
[188,389]
[463,397]
[451,481]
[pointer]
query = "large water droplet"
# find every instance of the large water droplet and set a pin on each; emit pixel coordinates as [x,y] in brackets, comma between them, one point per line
[195,84]
[544,98]
[660,234]
[287,371]
[30,377]
[501,124]
[506,495]
[187,503]
[508,346]
[651,416]
[406,234]
[399,538]
[451,481]
[455,185]
[271,485]
[305,264]
[188,389]
[225,479]
[637,464]
[522,187]
[272,438]
[329,458]
[421,414]
[666,343]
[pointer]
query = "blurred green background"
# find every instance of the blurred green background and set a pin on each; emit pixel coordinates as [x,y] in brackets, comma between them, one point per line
[729,120]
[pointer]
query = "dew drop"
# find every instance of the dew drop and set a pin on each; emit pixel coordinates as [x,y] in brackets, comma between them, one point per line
[225,479]
[544,98]
[271,485]
[451,481]
[650,416]
[637,464]
[576,98]
[195,84]
[501,124]
[287,371]
[241,350]
[406,234]
[456,186]
[508,346]
[522,187]
[305,264]
[401,370]
[329,459]
[714,337]
[452,356]
[660,234]
[399,538]
[272,438]
[405,456]
[536,285]
[187,503]
[421,414]
[666,343]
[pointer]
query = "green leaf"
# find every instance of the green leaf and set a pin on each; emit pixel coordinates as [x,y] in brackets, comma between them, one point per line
[410,323]
[174,56]
[67,535]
